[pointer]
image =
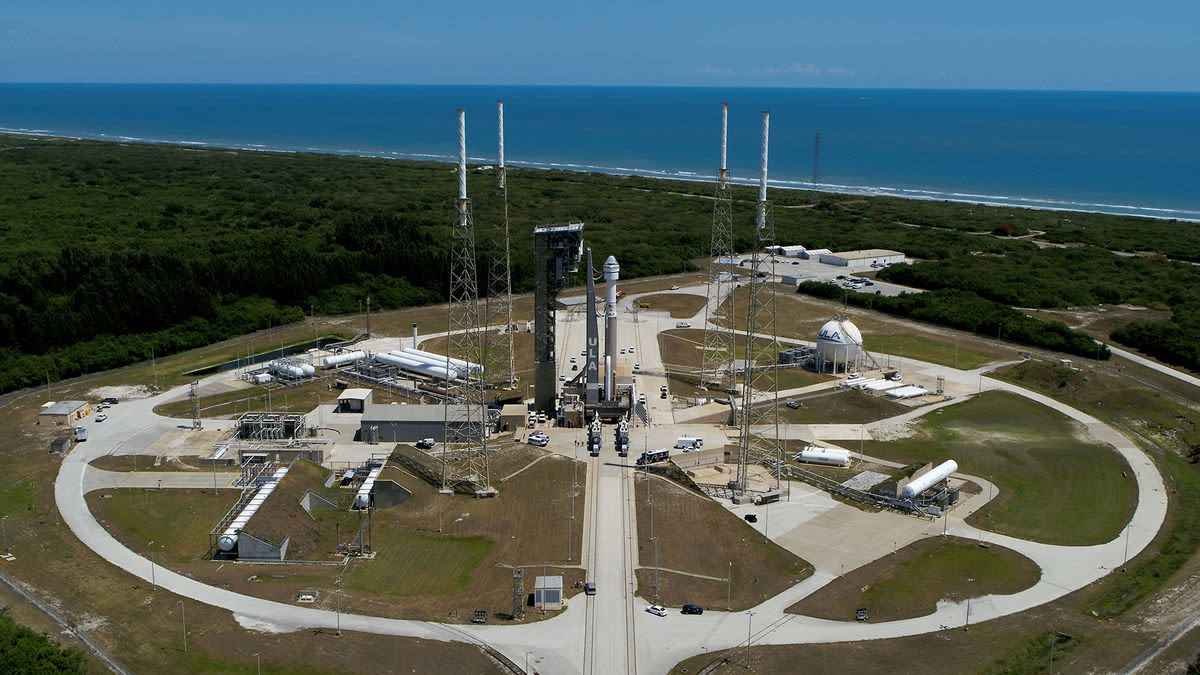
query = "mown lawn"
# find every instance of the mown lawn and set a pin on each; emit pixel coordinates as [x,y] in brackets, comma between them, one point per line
[912,581]
[1055,486]
[177,521]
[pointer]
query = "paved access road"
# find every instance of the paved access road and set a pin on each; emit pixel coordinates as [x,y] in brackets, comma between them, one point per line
[610,632]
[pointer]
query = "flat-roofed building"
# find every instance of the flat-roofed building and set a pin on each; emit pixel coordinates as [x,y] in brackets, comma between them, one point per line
[387,423]
[354,400]
[864,259]
[548,592]
[65,413]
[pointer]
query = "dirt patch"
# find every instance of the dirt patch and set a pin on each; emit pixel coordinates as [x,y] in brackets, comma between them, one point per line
[121,392]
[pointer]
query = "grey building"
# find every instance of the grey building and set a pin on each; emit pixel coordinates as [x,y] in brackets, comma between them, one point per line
[385,423]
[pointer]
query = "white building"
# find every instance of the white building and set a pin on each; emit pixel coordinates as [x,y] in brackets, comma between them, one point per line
[863,260]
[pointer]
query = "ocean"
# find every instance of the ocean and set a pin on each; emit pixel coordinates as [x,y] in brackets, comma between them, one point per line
[1124,153]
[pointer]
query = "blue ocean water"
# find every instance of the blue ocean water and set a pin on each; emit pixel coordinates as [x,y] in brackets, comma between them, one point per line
[1131,153]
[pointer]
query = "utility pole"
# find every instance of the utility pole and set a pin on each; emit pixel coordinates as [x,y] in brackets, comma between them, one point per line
[183,616]
[729,588]
[749,635]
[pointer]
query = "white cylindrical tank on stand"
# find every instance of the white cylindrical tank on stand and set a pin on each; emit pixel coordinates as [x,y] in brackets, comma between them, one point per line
[815,454]
[936,475]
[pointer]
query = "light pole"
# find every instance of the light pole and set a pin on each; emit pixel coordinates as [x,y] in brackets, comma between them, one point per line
[257,663]
[153,585]
[183,616]
[749,634]
[729,588]
[337,584]
[1126,561]
[527,662]
[4,529]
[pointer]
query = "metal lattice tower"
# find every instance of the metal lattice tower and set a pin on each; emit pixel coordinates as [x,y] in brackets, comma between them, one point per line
[759,418]
[518,605]
[465,452]
[194,399]
[500,364]
[718,355]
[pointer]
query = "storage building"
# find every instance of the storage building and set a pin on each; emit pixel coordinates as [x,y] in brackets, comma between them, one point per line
[513,417]
[548,592]
[405,423]
[863,260]
[65,413]
[354,400]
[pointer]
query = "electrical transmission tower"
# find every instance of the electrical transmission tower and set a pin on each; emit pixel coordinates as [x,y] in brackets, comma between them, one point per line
[759,416]
[717,358]
[464,451]
[500,365]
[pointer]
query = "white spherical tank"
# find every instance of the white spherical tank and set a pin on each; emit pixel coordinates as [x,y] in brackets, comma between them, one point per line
[839,342]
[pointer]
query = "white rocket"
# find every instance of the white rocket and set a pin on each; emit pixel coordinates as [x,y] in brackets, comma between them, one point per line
[612,272]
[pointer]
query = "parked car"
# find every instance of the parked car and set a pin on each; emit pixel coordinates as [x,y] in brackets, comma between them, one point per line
[657,610]
[860,614]
[425,444]
[632,351]
[794,404]
[540,441]
[637,366]
[751,518]
[562,378]
[590,588]
[622,351]
[691,609]
[109,400]
[101,417]
[662,394]
[674,287]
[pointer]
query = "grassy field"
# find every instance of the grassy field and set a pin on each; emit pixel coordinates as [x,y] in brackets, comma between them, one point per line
[800,317]
[841,407]
[419,564]
[697,536]
[1047,473]
[680,305]
[177,521]
[682,356]
[911,582]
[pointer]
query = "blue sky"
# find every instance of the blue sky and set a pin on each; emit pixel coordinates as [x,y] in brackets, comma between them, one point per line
[1149,45]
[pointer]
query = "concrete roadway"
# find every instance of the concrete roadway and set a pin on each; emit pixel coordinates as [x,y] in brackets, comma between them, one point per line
[598,635]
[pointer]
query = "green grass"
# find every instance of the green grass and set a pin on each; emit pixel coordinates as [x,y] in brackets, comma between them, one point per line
[841,407]
[923,348]
[1037,656]
[177,521]
[912,581]
[1054,487]
[419,564]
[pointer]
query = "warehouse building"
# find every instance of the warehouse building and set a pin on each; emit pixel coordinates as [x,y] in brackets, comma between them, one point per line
[65,413]
[385,423]
[864,259]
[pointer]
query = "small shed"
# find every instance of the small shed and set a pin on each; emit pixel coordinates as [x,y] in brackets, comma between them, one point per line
[354,400]
[61,445]
[513,417]
[548,592]
[64,413]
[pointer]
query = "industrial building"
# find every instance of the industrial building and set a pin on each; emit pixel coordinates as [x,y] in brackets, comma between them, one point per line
[548,592]
[406,423]
[65,413]
[354,400]
[864,259]
[513,417]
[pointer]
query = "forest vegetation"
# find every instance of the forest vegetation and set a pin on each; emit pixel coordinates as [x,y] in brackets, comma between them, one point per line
[115,250]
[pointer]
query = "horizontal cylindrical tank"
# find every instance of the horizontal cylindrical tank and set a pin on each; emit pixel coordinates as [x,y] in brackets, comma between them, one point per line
[228,540]
[341,359]
[817,455]
[938,474]
[414,366]
[286,369]
[308,369]
[457,364]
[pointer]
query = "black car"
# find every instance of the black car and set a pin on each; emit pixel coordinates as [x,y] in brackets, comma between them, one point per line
[692,609]
[110,400]
[751,518]
[860,614]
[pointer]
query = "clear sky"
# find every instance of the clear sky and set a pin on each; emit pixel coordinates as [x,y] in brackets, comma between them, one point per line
[1016,44]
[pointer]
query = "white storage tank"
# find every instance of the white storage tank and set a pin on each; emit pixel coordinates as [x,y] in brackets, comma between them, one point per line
[815,454]
[936,475]
[286,369]
[839,346]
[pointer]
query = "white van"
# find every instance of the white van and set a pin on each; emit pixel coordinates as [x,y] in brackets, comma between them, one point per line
[689,442]
[683,324]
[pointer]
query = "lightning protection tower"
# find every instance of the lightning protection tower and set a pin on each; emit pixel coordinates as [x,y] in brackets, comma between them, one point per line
[499,364]
[465,452]
[194,401]
[717,358]
[759,417]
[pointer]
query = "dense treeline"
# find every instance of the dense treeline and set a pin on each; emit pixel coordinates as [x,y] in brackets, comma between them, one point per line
[24,652]
[111,250]
[966,311]
[1064,277]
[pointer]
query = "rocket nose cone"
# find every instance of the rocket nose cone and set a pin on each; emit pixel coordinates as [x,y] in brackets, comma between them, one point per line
[611,266]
